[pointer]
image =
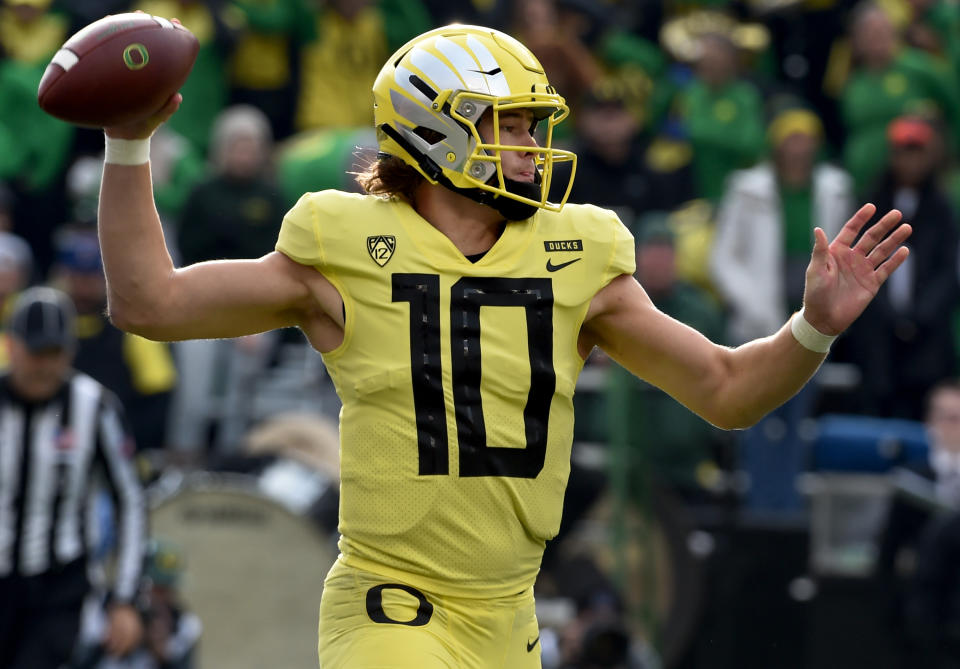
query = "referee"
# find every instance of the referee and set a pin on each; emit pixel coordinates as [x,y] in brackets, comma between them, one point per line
[58,428]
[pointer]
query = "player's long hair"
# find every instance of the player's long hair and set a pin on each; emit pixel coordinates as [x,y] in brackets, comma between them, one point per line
[389,176]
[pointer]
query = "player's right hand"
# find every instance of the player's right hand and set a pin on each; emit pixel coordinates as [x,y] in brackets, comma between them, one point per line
[145,128]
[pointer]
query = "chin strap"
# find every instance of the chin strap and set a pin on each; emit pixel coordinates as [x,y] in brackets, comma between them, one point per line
[510,209]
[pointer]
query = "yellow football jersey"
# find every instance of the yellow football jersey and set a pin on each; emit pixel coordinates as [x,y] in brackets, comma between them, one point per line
[457,383]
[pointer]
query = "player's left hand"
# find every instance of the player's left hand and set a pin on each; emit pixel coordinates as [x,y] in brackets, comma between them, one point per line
[125,630]
[843,277]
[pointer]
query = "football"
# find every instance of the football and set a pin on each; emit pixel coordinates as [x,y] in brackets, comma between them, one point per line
[119,69]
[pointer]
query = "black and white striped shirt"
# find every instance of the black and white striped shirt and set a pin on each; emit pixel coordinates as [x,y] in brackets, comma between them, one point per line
[49,454]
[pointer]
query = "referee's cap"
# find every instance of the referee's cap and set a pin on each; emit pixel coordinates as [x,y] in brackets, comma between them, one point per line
[43,318]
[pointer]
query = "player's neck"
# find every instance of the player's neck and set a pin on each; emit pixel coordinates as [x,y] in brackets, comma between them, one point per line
[472,227]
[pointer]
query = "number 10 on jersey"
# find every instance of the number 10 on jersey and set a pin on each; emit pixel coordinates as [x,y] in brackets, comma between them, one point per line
[467,296]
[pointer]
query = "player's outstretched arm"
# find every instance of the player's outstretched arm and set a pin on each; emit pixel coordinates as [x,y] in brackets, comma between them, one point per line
[734,388]
[148,296]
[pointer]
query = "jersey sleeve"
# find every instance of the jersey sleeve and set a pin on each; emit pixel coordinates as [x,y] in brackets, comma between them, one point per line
[300,233]
[623,258]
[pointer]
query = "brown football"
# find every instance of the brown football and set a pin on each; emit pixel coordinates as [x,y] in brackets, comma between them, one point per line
[119,69]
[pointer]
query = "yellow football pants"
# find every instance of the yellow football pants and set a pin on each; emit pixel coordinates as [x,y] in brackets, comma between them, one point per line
[372,622]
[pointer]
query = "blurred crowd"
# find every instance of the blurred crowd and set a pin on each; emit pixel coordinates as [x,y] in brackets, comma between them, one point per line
[722,133]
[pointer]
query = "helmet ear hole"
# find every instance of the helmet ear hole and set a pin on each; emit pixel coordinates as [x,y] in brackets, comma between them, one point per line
[430,135]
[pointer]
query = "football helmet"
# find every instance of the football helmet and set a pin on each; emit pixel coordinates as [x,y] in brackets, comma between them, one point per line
[430,96]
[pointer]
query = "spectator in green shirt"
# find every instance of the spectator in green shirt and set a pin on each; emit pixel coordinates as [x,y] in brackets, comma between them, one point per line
[888,80]
[34,147]
[722,115]
[934,26]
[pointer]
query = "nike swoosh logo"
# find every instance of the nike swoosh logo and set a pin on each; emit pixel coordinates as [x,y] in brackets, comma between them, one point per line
[532,644]
[492,72]
[553,268]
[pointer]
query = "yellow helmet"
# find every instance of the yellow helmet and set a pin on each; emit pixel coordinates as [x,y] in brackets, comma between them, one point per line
[430,95]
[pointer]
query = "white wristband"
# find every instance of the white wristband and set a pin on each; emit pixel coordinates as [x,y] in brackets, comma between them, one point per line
[126,151]
[808,336]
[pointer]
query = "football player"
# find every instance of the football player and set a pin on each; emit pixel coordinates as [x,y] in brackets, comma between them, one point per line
[454,306]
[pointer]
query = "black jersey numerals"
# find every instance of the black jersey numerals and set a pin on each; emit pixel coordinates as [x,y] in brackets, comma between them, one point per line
[467,296]
[422,291]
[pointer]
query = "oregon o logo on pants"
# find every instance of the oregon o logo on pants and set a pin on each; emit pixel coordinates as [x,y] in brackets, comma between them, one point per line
[377,614]
[135,56]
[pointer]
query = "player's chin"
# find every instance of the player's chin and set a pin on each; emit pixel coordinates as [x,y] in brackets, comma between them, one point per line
[527,189]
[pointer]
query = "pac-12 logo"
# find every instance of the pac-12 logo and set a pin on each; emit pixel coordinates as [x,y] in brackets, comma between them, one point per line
[381,248]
